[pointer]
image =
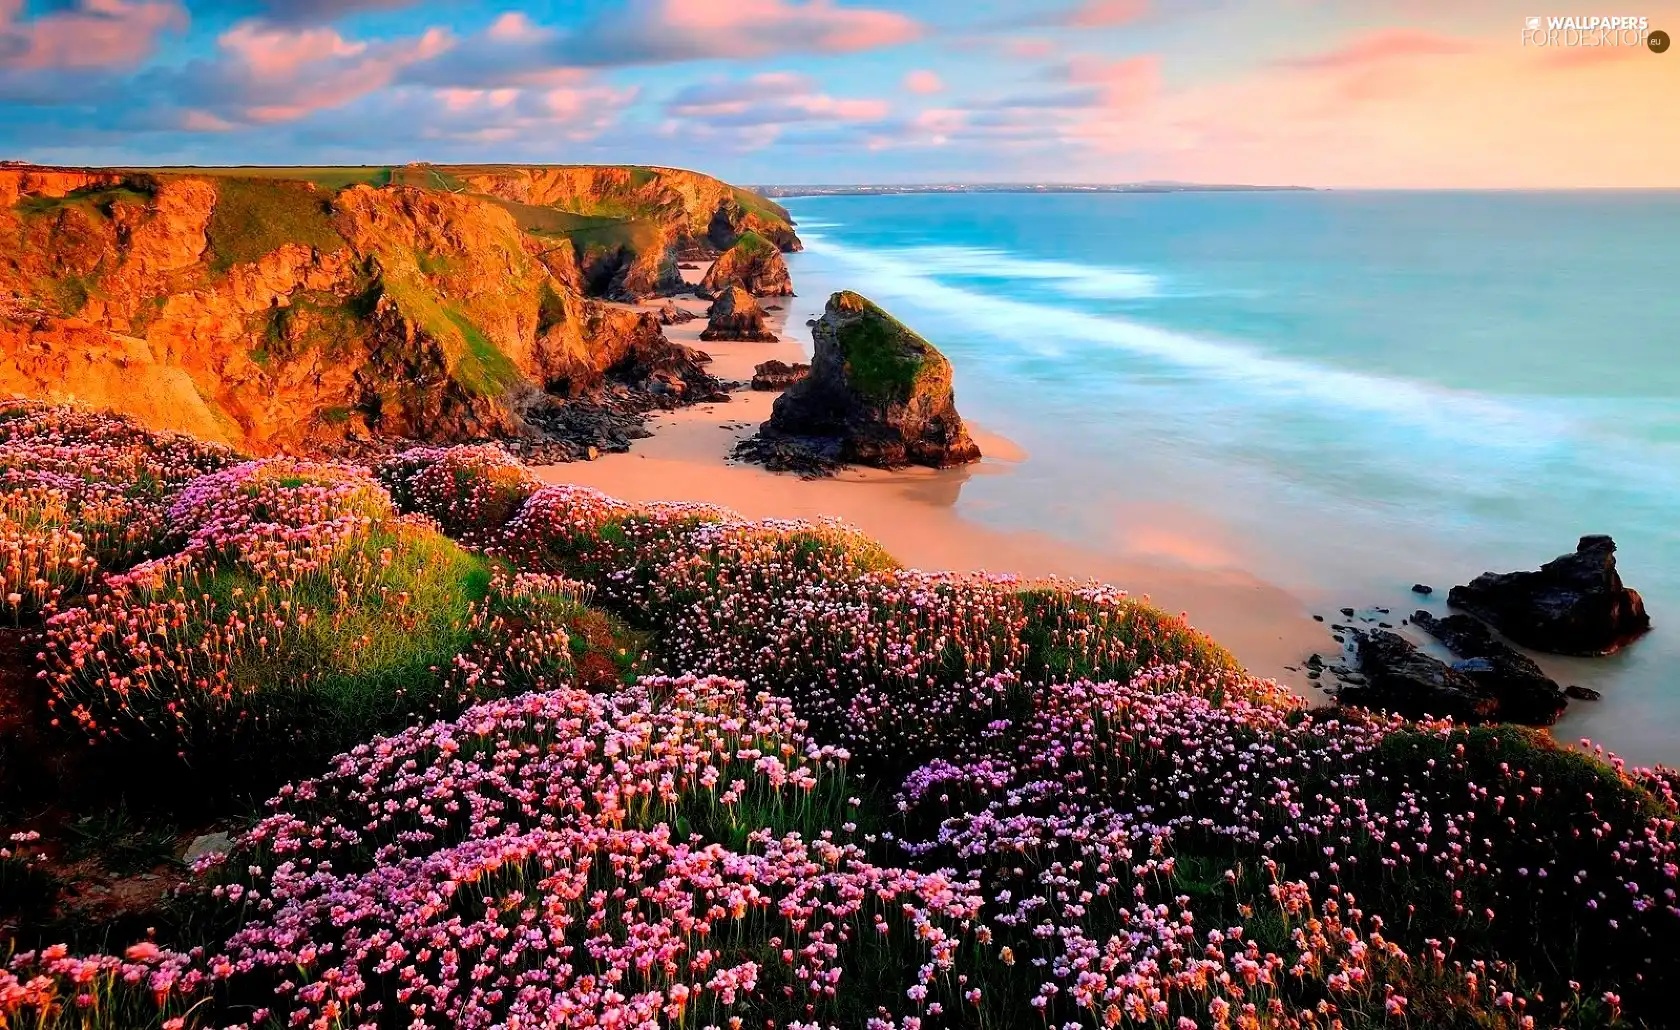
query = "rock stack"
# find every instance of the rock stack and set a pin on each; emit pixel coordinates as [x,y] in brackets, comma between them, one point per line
[754,264]
[877,394]
[736,316]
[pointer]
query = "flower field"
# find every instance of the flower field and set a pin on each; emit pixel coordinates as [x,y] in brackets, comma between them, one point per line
[539,758]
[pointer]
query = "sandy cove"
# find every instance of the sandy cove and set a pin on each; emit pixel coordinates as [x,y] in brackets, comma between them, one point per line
[913,512]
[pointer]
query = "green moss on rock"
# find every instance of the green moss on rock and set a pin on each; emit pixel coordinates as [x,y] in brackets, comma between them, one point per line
[883,356]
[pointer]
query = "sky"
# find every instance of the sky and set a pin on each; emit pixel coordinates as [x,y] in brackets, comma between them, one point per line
[1329,93]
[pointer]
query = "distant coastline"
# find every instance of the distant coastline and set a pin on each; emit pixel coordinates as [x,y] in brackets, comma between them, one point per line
[869,190]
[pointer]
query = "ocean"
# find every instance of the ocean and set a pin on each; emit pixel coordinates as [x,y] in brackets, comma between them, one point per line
[1343,393]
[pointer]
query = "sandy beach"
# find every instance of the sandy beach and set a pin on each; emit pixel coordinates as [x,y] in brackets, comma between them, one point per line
[913,513]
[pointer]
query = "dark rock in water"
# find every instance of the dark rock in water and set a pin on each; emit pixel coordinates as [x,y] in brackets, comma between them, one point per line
[1318,618]
[778,375]
[1576,604]
[736,316]
[754,263]
[1422,589]
[1401,679]
[877,394]
[670,314]
[1473,666]
[1348,612]
[1582,693]
[1524,692]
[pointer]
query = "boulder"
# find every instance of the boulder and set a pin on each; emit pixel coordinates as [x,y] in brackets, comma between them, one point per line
[670,314]
[778,375]
[736,316]
[1575,604]
[1524,692]
[877,394]
[1401,679]
[754,263]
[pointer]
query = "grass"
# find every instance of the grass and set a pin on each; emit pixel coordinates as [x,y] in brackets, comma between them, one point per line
[483,369]
[119,842]
[369,660]
[883,356]
[255,217]
[332,178]
[752,244]
[96,202]
[761,206]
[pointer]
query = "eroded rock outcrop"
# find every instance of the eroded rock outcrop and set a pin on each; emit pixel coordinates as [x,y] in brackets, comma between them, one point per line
[735,315]
[1575,604]
[877,394]
[1401,679]
[1524,692]
[754,264]
[778,375]
[671,314]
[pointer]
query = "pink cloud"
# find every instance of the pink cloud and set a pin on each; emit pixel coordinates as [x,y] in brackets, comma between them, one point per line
[1123,85]
[1031,47]
[1104,13]
[516,27]
[1379,47]
[1483,116]
[270,73]
[652,31]
[923,81]
[269,52]
[89,34]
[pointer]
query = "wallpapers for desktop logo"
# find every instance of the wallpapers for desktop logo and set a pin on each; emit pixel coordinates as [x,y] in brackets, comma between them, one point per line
[1593,31]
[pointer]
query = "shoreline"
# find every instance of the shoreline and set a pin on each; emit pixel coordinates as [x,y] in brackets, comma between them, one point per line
[914,513]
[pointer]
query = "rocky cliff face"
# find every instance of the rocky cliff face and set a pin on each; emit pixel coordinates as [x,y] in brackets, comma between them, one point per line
[278,314]
[877,394]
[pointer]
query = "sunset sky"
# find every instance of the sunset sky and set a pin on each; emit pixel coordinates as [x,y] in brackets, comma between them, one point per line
[1341,93]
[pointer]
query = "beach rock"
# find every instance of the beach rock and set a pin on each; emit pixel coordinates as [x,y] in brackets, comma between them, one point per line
[670,314]
[736,316]
[1582,693]
[754,263]
[778,375]
[1524,692]
[877,394]
[1575,604]
[1422,589]
[1401,679]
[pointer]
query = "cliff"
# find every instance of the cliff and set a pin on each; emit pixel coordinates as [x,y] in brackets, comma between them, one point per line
[287,309]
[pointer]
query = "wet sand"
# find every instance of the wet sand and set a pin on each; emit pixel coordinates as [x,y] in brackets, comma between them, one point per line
[914,513]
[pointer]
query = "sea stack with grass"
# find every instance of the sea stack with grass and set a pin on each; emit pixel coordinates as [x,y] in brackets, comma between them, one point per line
[754,263]
[735,315]
[877,394]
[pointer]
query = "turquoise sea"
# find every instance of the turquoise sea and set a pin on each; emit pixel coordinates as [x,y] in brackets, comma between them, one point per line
[1342,392]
